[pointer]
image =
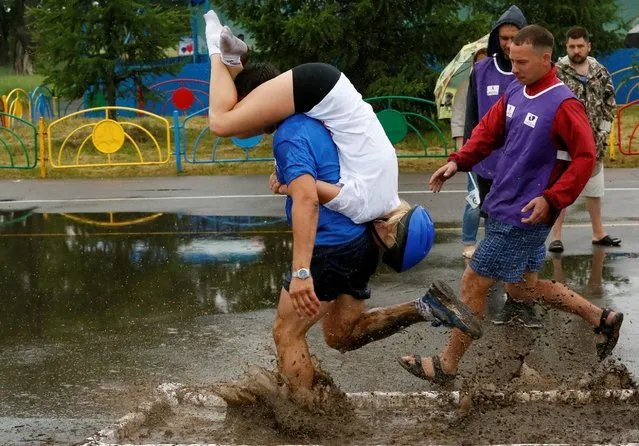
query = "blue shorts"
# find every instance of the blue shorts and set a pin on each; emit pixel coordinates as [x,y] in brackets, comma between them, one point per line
[507,251]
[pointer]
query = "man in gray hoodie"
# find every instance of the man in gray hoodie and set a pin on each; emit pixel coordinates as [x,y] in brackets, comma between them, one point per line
[488,81]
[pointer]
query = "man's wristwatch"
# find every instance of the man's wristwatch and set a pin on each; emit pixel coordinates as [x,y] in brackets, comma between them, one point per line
[302,273]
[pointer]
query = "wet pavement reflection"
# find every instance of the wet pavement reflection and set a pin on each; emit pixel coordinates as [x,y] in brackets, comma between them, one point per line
[84,293]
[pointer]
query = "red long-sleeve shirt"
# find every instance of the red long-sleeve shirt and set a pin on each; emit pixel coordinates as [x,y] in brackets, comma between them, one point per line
[570,131]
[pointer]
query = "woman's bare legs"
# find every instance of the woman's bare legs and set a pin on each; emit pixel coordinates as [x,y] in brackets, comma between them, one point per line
[266,106]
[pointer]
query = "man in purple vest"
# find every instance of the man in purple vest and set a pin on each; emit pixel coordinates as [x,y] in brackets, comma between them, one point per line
[488,82]
[548,153]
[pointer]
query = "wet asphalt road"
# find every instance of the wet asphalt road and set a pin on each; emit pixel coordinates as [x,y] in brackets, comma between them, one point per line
[99,375]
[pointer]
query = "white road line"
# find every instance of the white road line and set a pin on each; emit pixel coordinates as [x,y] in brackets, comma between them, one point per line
[226,197]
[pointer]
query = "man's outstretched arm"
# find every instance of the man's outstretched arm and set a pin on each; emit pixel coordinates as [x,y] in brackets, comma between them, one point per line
[305,213]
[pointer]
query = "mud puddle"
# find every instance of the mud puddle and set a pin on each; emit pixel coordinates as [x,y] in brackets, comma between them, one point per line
[260,409]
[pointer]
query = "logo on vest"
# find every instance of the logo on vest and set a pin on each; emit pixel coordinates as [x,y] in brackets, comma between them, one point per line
[492,90]
[531,120]
[510,110]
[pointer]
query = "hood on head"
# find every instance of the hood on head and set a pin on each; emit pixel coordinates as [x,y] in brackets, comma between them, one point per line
[512,16]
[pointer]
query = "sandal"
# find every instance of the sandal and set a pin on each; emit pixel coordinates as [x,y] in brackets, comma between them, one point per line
[416,368]
[556,246]
[607,241]
[610,330]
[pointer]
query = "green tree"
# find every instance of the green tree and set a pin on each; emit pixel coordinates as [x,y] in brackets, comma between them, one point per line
[601,18]
[398,46]
[97,46]
[385,47]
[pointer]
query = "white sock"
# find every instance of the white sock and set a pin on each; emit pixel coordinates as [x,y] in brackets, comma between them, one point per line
[213,29]
[424,310]
[232,48]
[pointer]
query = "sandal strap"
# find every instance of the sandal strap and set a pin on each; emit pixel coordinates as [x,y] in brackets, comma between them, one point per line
[603,325]
[440,377]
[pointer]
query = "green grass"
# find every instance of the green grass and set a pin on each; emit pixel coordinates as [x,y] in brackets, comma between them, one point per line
[9,80]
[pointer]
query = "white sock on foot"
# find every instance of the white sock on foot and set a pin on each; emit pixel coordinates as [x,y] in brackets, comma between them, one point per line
[213,29]
[232,48]
[424,310]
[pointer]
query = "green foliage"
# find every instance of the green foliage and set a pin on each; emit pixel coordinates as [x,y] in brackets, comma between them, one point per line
[600,17]
[397,46]
[381,45]
[99,45]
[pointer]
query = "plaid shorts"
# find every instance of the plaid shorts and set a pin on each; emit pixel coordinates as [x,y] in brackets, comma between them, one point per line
[507,251]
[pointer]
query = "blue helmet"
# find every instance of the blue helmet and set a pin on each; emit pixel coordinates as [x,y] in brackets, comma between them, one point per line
[414,238]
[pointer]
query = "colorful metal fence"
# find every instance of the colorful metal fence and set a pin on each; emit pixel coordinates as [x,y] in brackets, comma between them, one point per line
[18,143]
[195,144]
[183,95]
[111,219]
[81,139]
[95,142]
[631,109]
[43,104]
[626,80]
[401,115]
[18,103]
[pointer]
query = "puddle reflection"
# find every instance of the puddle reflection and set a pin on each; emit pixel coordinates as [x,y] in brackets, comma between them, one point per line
[60,271]
[594,276]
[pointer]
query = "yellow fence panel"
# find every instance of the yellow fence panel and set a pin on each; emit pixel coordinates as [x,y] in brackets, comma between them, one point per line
[17,103]
[83,140]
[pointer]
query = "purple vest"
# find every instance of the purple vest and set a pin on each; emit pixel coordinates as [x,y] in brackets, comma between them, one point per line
[491,84]
[528,156]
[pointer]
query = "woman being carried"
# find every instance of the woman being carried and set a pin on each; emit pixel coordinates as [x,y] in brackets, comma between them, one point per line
[254,101]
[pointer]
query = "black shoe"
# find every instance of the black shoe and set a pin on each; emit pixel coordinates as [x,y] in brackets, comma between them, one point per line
[525,315]
[507,313]
[517,312]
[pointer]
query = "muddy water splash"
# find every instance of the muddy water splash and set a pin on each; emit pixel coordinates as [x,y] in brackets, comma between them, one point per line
[323,412]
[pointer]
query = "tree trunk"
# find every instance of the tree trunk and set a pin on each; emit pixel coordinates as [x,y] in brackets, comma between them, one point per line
[22,63]
[4,49]
[23,49]
[111,96]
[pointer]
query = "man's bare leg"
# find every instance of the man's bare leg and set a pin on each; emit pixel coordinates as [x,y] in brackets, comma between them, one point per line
[557,295]
[595,287]
[593,206]
[348,327]
[555,233]
[289,334]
